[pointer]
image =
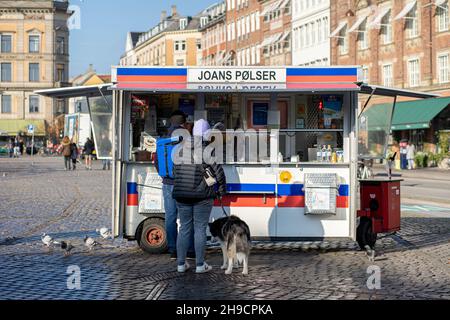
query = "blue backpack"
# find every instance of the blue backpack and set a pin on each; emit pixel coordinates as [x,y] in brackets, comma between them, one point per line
[164,150]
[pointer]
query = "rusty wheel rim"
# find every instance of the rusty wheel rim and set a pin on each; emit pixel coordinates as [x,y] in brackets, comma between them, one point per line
[155,236]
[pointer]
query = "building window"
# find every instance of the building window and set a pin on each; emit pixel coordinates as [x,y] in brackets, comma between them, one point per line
[34,72]
[60,45]
[365,74]
[386,28]
[34,43]
[60,73]
[412,23]
[414,73]
[199,44]
[180,45]
[6,104]
[183,23]
[6,43]
[180,62]
[443,68]
[6,72]
[343,42]
[34,104]
[388,76]
[442,17]
[363,37]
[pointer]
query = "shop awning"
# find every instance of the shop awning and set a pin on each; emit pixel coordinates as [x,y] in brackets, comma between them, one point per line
[410,115]
[81,91]
[271,7]
[376,23]
[440,3]
[407,9]
[357,24]
[13,127]
[272,39]
[339,28]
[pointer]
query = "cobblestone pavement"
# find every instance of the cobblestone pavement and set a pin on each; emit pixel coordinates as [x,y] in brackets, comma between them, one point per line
[69,205]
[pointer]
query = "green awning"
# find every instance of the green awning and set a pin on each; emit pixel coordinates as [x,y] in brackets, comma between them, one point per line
[410,115]
[13,127]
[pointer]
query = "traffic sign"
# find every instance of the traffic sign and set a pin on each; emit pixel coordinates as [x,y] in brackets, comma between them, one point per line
[30,129]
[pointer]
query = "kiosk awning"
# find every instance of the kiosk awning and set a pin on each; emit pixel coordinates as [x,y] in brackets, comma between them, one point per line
[410,115]
[407,9]
[81,91]
[393,92]
[376,23]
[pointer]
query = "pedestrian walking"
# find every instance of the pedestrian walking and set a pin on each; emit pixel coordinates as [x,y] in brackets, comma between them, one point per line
[411,155]
[11,148]
[74,155]
[16,148]
[195,196]
[89,148]
[177,121]
[106,151]
[67,153]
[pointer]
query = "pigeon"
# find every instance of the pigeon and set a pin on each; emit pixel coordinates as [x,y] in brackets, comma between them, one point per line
[90,243]
[370,253]
[48,240]
[104,233]
[67,247]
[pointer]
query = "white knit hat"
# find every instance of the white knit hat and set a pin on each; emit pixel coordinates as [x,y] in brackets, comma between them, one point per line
[201,128]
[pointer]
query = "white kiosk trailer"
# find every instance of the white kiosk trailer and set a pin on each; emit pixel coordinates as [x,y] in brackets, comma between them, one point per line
[303,187]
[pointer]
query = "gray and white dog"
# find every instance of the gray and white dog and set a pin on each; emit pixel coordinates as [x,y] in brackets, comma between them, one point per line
[234,237]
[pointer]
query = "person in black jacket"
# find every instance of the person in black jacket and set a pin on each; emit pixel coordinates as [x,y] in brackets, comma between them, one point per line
[89,148]
[195,201]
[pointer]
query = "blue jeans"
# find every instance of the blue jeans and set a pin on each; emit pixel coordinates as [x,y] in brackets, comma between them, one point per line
[170,206]
[193,217]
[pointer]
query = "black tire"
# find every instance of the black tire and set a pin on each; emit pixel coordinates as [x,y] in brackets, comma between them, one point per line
[153,238]
[364,235]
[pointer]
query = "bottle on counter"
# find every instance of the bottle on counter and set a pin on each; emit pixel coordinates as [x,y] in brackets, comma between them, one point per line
[324,153]
[329,153]
[319,154]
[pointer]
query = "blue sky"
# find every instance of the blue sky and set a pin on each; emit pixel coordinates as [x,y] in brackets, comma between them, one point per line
[104,25]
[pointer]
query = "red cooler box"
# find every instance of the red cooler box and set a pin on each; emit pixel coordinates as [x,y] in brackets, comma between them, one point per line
[381,201]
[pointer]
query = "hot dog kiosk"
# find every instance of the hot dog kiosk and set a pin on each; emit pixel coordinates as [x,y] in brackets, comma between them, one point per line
[306,125]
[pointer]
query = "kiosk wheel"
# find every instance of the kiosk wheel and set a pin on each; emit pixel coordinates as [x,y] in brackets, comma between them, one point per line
[153,237]
[364,234]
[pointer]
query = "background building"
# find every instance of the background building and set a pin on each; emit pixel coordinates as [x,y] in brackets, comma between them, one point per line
[213,28]
[244,33]
[34,54]
[277,29]
[310,33]
[174,41]
[403,44]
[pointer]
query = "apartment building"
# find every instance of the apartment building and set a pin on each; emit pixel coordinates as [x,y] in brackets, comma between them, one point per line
[174,41]
[310,33]
[244,33]
[277,30]
[214,33]
[34,54]
[399,43]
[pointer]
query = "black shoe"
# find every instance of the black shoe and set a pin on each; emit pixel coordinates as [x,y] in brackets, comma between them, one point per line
[173,256]
[190,256]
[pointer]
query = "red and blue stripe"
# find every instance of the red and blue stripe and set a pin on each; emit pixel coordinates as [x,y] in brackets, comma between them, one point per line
[152,75]
[132,194]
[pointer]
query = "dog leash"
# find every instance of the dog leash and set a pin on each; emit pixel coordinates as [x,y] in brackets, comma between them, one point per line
[223,208]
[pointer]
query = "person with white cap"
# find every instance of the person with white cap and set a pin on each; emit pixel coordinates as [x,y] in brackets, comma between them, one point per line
[195,198]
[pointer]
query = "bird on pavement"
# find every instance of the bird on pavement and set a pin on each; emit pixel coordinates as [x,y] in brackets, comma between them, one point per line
[67,247]
[370,253]
[90,243]
[104,233]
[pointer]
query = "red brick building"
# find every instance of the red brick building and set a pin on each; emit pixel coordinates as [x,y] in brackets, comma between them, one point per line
[244,36]
[399,43]
[214,35]
[276,29]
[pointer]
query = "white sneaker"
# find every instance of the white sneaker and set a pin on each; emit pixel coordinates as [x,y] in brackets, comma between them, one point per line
[183,269]
[203,269]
